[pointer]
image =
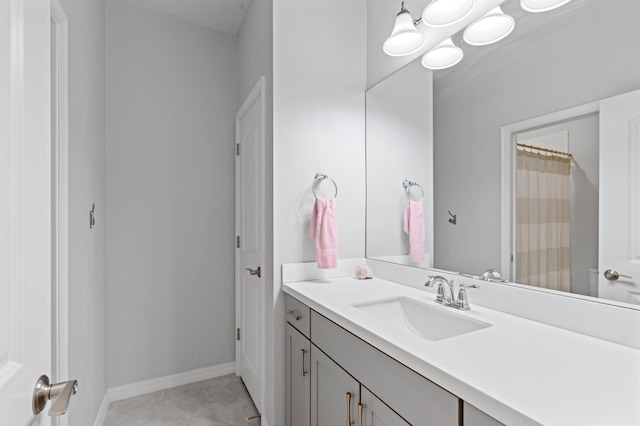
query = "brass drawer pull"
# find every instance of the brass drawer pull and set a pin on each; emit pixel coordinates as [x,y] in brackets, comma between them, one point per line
[361,408]
[302,372]
[349,422]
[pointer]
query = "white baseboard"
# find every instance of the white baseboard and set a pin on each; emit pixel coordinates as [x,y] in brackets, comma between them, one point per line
[140,388]
[102,412]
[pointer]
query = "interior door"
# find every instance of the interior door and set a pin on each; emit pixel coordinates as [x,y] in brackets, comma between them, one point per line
[250,225]
[25,221]
[619,253]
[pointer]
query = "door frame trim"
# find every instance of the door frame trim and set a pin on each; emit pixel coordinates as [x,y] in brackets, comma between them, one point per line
[258,91]
[60,199]
[508,175]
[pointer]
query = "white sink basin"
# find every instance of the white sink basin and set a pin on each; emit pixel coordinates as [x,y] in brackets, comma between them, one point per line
[426,321]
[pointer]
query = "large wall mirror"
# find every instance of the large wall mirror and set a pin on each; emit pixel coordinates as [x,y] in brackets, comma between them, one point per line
[556,63]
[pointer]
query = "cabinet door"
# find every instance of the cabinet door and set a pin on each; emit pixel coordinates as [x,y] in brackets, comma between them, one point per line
[298,378]
[373,412]
[474,417]
[334,393]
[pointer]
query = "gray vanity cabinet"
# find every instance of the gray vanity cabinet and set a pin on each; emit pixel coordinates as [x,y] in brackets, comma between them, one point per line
[415,398]
[298,363]
[334,393]
[334,377]
[298,377]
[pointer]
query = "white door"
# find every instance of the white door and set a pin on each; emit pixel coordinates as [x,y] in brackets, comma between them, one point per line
[250,225]
[25,197]
[620,198]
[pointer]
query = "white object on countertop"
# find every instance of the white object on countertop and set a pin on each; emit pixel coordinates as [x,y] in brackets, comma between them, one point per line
[363,272]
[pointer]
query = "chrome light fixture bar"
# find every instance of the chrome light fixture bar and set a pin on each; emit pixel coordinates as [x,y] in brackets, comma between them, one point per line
[405,39]
[490,28]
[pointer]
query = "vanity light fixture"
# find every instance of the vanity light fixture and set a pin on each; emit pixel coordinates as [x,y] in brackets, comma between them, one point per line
[405,39]
[440,13]
[542,5]
[444,55]
[492,27]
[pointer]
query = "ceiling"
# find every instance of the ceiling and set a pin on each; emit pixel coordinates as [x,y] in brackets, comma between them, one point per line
[221,15]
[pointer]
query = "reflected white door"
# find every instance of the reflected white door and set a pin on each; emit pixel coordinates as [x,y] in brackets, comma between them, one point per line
[620,197]
[25,194]
[250,243]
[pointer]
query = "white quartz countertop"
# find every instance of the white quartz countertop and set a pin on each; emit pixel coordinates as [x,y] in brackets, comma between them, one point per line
[519,371]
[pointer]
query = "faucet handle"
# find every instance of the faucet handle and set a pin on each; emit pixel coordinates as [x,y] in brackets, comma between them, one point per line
[463,300]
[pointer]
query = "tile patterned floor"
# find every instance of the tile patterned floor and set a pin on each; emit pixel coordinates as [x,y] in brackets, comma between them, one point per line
[223,401]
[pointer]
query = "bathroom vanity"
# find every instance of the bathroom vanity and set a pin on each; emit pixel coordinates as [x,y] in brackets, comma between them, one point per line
[355,357]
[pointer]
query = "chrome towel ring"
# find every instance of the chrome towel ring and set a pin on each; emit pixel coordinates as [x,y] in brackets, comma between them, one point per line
[319,179]
[408,184]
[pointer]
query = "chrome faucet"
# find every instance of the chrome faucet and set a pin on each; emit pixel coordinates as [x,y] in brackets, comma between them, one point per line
[446,294]
[492,275]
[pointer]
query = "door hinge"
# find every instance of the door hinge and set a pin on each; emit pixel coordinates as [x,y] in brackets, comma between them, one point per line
[238,241]
[511,258]
[237,149]
[237,334]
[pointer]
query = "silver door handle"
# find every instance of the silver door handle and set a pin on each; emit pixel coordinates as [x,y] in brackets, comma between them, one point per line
[257,272]
[614,275]
[44,391]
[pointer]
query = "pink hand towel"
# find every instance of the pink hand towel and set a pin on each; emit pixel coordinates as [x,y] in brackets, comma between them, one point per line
[324,228]
[414,226]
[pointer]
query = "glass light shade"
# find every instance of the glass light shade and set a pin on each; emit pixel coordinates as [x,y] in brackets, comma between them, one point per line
[440,13]
[444,55]
[541,5]
[492,27]
[405,39]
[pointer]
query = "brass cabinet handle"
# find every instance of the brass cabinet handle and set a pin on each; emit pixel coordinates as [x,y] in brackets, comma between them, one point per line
[361,408]
[349,422]
[294,314]
[302,372]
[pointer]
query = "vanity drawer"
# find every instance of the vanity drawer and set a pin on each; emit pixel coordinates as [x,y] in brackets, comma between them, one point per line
[298,315]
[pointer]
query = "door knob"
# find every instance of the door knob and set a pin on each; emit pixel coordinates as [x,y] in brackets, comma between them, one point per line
[60,391]
[613,275]
[257,272]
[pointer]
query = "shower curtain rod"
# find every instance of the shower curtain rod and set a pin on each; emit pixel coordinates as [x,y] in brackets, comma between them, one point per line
[568,154]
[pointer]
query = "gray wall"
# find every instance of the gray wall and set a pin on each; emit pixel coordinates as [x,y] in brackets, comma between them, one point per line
[551,71]
[87,317]
[255,59]
[171,104]
[319,72]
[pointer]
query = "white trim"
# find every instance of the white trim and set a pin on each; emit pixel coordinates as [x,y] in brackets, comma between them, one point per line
[102,412]
[507,175]
[60,199]
[161,383]
[18,190]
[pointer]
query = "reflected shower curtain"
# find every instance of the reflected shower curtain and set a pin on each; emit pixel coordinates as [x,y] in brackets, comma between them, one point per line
[543,220]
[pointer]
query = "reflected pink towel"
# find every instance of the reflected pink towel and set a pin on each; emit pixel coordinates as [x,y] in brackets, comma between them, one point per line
[324,228]
[414,226]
